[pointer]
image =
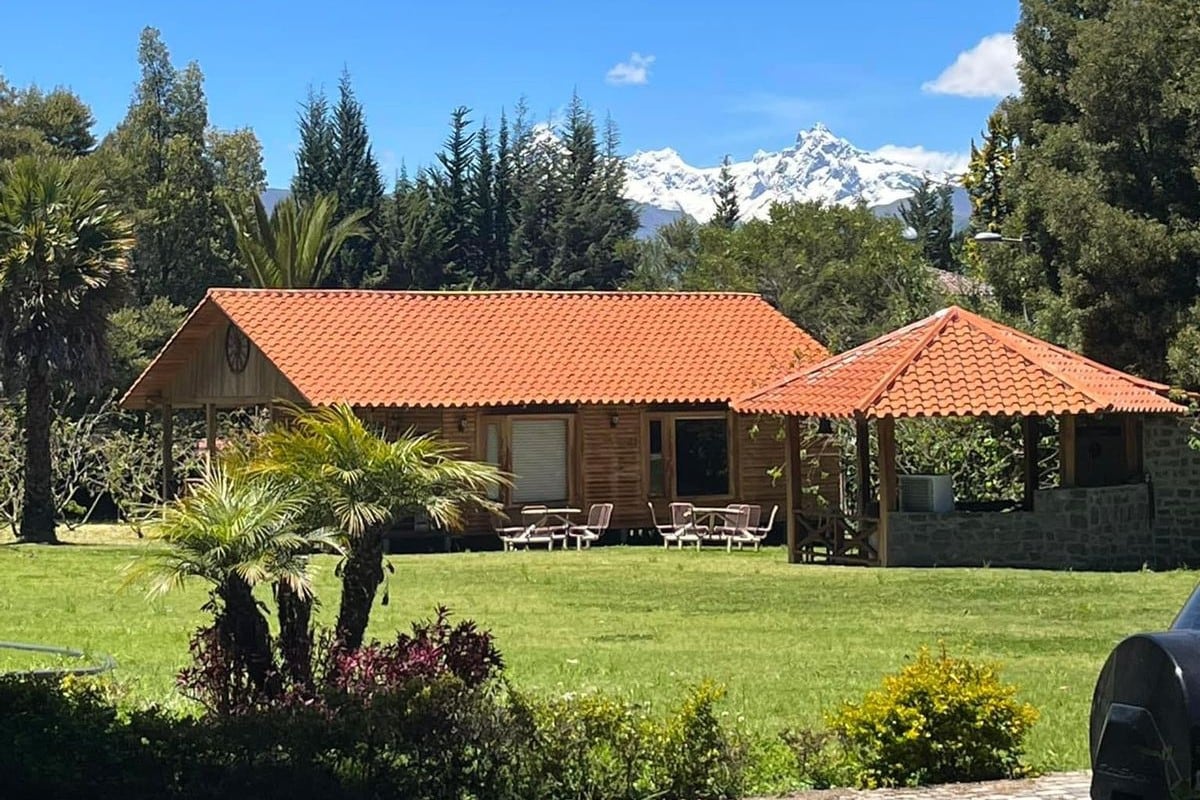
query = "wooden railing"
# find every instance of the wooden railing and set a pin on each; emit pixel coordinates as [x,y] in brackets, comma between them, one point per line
[834,537]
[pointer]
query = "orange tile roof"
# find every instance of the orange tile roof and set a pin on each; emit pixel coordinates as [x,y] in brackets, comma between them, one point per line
[956,363]
[375,348]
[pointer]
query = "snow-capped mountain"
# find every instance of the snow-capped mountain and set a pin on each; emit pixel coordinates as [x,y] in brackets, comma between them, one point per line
[819,166]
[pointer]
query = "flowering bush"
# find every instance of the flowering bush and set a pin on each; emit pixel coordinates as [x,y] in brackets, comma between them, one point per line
[939,720]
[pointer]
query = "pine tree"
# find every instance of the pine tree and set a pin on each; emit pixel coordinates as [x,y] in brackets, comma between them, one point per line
[727,212]
[315,160]
[536,201]
[358,186]
[930,215]
[504,213]
[455,211]
[483,208]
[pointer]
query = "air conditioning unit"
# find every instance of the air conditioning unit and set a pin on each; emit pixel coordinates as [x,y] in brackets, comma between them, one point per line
[927,493]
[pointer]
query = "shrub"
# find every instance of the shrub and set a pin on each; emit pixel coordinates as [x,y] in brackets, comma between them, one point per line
[596,746]
[939,720]
[819,759]
[434,650]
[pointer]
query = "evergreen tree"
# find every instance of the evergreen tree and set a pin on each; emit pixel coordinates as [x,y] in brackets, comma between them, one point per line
[316,170]
[1103,184]
[930,215]
[415,240]
[455,200]
[159,167]
[31,121]
[727,212]
[359,187]
[483,207]
[984,178]
[504,213]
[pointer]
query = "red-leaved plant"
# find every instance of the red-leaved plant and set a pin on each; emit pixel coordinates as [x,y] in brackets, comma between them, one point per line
[436,649]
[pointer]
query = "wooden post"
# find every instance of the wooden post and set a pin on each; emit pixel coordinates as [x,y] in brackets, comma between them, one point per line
[862,441]
[1029,433]
[1131,429]
[1066,450]
[168,453]
[795,486]
[885,427]
[210,433]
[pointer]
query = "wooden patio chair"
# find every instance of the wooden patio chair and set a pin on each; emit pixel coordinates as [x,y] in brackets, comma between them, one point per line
[683,526]
[597,523]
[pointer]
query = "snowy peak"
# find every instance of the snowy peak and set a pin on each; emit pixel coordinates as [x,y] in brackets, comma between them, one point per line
[820,166]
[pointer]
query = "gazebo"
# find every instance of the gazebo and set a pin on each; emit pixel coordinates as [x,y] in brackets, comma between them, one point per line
[1115,430]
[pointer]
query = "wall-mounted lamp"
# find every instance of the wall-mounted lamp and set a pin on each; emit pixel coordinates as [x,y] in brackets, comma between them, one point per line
[824,426]
[462,423]
[614,420]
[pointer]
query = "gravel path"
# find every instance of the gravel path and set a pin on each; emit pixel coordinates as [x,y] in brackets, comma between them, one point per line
[1057,786]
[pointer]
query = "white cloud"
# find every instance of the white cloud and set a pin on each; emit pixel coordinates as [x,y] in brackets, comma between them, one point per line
[932,161]
[634,72]
[989,69]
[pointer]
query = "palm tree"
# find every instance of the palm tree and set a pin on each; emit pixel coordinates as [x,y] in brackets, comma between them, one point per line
[294,247]
[362,484]
[237,532]
[64,256]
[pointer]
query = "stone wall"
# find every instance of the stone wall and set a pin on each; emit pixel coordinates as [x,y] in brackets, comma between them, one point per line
[1173,469]
[1102,528]
[1117,527]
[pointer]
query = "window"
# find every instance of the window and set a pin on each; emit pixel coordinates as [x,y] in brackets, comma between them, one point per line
[491,453]
[539,460]
[701,457]
[658,466]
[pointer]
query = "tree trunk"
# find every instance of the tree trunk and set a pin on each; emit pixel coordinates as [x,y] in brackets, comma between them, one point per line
[295,633]
[361,575]
[37,506]
[244,630]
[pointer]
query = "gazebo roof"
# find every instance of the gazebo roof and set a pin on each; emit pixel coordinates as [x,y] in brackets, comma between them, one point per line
[956,363]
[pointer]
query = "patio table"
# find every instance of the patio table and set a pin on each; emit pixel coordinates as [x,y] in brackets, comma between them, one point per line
[706,519]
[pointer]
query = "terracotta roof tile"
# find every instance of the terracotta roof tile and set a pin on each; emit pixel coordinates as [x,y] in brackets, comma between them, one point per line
[956,363]
[376,348]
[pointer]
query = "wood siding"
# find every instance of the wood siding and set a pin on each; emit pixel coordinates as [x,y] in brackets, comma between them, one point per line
[207,378]
[608,462]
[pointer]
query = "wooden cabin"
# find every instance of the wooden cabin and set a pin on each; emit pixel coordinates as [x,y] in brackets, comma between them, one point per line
[584,397]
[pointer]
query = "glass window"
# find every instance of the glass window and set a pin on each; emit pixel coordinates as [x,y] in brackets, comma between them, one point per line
[658,471]
[491,453]
[701,457]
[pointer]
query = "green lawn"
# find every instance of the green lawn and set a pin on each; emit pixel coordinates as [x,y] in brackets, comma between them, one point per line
[788,641]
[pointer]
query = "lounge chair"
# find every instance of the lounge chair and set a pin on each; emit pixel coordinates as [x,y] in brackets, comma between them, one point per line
[597,523]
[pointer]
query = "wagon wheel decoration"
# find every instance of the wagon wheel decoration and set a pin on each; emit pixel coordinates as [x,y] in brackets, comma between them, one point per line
[237,348]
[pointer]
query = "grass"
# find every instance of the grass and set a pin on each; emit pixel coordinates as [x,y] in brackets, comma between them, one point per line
[788,641]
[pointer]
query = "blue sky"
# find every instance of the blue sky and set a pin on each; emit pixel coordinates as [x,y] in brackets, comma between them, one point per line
[704,78]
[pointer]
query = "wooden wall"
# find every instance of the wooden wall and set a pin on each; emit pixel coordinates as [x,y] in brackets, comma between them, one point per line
[610,461]
[207,378]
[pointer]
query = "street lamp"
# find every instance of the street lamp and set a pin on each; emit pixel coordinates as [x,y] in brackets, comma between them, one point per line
[991,237]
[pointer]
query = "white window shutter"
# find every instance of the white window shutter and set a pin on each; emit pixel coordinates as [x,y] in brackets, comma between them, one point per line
[539,460]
